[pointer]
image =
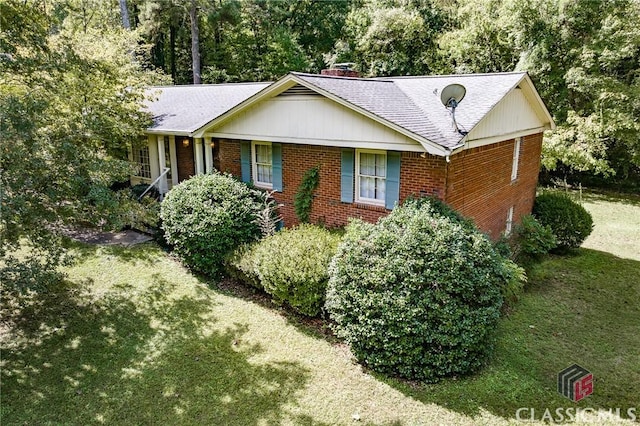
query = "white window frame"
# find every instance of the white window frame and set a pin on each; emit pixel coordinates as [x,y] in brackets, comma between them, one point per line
[137,158]
[365,200]
[509,224]
[516,158]
[254,165]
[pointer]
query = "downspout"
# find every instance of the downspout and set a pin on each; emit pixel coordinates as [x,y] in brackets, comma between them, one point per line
[447,159]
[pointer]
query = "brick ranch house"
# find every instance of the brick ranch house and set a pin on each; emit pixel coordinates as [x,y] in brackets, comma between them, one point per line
[377,141]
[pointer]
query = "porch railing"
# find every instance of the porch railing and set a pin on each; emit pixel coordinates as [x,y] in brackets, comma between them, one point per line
[166,170]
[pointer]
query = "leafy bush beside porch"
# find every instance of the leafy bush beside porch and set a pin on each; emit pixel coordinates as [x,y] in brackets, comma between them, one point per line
[207,216]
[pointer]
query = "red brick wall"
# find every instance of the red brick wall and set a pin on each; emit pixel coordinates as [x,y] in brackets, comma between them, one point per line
[184,158]
[478,184]
[422,176]
[229,156]
[480,187]
[340,72]
[418,176]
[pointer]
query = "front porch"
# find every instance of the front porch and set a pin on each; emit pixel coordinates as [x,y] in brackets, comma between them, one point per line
[166,160]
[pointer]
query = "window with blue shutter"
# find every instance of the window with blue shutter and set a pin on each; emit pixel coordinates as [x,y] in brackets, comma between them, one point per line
[276,163]
[346,176]
[392,195]
[245,161]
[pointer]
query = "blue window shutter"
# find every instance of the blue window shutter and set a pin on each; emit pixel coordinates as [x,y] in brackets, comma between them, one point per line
[392,195]
[245,161]
[276,164]
[346,176]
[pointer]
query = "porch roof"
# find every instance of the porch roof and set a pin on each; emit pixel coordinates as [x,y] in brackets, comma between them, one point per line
[182,110]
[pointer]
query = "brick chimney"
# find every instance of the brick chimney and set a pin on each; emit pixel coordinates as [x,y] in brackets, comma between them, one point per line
[341,70]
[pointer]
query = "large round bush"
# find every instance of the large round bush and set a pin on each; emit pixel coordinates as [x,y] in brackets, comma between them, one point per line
[418,294]
[570,222]
[205,217]
[293,266]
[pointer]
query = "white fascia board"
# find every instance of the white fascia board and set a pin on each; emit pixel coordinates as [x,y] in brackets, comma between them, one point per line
[322,142]
[168,132]
[531,91]
[469,144]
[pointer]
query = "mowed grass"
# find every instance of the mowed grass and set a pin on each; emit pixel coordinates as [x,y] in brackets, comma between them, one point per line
[133,338]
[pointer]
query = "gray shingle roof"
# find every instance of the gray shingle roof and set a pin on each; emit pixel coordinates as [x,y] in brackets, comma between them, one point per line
[185,109]
[414,102]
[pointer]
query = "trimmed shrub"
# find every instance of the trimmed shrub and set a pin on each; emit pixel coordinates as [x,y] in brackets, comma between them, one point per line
[570,222]
[207,216]
[241,265]
[418,294]
[293,264]
[531,240]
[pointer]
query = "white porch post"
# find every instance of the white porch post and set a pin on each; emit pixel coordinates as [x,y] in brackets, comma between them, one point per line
[162,184]
[208,154]
[197,147]
[153,155]
[174,160]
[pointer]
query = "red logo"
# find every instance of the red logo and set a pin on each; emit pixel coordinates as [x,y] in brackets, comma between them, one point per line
[575,383]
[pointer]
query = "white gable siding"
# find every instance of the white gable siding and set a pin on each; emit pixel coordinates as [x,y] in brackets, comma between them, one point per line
[510,116]
[312,120]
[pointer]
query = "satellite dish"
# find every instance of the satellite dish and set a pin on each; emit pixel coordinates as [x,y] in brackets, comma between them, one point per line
[452,95]
[450,98]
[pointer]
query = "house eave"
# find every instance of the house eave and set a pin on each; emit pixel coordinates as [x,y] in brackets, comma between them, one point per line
[475,143]
[289,81]
[169,132]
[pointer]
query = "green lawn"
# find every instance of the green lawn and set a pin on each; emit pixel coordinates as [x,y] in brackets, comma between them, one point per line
[134,338]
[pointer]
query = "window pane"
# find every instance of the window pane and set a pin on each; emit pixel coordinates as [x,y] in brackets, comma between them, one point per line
[381,165]
[264,173]
[367,164]
[381,186]
[141,157]
[367,187]
[263,154]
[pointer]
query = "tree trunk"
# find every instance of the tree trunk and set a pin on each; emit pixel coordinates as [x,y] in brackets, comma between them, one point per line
[124,13]
[195,42]
[172,52]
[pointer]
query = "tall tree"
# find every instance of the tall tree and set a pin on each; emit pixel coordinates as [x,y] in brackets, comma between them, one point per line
[584,57]
[392,37]
[70,105]
[195,41]
[124,13]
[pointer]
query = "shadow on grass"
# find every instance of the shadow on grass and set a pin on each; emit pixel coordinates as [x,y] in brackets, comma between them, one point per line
[145,252]
[318,328]
[133,357]
[578,309]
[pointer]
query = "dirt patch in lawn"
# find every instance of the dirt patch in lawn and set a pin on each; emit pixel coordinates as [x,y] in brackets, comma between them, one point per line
[125,238]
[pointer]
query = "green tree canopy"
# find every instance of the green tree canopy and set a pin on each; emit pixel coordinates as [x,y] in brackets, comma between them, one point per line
[70,103]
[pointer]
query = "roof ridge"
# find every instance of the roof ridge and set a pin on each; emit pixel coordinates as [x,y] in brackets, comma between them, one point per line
[186,86]
[425,115]
[407,77]
[340,77]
